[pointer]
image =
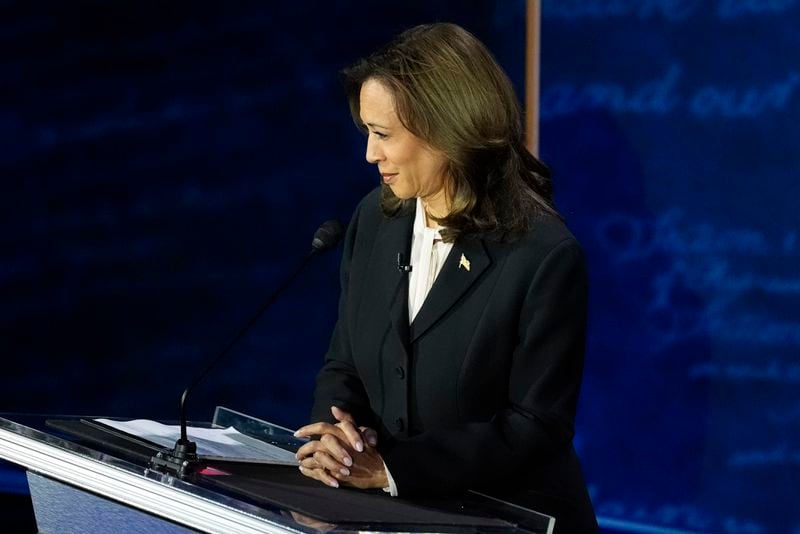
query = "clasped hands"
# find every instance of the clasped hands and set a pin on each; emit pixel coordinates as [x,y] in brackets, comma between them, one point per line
[344,454]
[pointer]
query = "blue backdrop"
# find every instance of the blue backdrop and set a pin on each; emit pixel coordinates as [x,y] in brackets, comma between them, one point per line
[163,169]
[673,129]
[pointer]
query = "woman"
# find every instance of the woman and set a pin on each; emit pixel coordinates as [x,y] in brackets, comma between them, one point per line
[457,357]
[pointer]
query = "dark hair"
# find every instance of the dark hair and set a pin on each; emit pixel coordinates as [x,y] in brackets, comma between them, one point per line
[450,92]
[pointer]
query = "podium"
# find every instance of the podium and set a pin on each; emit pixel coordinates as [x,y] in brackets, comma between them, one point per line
[81,481]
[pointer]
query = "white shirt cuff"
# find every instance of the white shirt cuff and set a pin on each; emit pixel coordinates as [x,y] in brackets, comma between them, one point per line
[392,489]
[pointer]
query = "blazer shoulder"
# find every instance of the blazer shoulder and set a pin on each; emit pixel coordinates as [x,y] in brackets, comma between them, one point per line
[369,207]
[547,234]
[369,216]
[368,223]
[365,218]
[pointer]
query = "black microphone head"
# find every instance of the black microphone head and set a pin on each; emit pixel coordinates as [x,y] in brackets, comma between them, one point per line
[327,236]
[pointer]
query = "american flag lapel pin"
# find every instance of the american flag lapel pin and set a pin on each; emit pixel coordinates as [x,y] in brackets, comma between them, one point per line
[463,263]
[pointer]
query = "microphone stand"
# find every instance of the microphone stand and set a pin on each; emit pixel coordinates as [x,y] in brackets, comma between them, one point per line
[182,460]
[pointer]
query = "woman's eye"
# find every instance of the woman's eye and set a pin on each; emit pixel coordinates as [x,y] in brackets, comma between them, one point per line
[380,135]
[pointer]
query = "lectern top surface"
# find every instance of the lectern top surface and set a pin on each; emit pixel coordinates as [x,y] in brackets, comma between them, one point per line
[236,497]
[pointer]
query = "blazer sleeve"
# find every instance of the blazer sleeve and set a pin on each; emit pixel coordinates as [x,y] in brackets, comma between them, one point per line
[537,423]
[338,382]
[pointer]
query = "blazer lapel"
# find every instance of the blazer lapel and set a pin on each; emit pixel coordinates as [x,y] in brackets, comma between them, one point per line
[464,265]
[396,238]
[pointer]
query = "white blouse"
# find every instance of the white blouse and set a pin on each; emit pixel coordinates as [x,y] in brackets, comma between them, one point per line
[428,254]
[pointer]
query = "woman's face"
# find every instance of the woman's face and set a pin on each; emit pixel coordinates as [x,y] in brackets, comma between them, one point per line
[407,164]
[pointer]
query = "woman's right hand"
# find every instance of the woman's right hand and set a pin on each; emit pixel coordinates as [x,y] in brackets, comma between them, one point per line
[328,459]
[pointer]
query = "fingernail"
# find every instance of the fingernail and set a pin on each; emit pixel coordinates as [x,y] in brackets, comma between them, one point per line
[347,461]
[296,433]
[359,446]
[372,440]
[334,484]
[345,471]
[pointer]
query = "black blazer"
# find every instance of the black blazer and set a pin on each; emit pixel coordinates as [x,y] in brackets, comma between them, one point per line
[480,391]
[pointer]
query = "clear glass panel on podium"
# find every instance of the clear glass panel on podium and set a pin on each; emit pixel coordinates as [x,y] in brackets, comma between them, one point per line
[258,428]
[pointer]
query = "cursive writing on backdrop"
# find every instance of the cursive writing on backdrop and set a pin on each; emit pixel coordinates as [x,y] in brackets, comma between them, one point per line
[671,127]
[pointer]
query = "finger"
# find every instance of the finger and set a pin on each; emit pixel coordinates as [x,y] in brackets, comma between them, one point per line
[334,447]
[369,434]
[342,415]
[348,424]
[307,450]
[321,475]
[317,429]
[311,447]
[352,435]
[328,462]
[310,463]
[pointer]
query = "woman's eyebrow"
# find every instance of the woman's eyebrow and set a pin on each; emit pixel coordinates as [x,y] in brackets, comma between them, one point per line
[375,125]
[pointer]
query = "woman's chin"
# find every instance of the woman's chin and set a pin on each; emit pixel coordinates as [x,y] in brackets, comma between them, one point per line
[401,193]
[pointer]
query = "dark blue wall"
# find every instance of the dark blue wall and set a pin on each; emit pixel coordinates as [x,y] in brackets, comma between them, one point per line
[673,130]
[163,168]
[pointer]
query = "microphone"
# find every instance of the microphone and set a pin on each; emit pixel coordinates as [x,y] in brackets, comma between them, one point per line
[182,460]
[327,236]
[402,265]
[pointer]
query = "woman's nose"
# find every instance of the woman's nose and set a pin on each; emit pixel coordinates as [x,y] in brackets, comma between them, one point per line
[374,154]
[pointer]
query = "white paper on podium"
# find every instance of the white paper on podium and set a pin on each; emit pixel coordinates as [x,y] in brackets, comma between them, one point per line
[212,443]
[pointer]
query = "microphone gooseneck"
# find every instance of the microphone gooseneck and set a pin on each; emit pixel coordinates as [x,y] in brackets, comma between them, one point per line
[182,460]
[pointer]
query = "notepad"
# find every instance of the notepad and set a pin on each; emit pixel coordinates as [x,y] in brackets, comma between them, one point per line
[219,444]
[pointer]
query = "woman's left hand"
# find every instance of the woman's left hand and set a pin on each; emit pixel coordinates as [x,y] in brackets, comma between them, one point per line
[333,459]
